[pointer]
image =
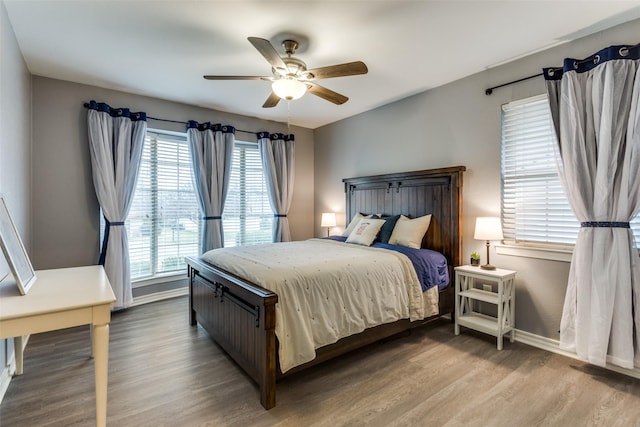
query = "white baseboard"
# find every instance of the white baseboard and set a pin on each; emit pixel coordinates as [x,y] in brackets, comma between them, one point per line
[553,346]
[159,296]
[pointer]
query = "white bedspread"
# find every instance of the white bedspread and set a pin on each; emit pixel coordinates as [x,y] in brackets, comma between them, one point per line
[327,290]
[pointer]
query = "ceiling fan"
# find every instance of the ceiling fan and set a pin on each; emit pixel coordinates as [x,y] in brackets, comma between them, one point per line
[291,79]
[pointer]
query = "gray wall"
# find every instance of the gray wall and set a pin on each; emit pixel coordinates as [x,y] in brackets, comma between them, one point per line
[15,142]
[65,209]
[457,124]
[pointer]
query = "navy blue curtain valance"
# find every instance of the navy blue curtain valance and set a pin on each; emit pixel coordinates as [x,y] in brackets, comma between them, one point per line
[192,124]
[276,136]
[116,112]
[583,65]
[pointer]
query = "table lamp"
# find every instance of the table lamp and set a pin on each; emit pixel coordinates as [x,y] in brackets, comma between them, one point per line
[328,220]
[488,228]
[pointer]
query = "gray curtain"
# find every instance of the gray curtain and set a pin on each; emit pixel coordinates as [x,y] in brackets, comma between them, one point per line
[278,154]
[594,105]
[211,149]
[116,139]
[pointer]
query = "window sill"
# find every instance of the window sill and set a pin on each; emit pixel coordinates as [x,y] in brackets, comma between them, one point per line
[552,254]
[170,277]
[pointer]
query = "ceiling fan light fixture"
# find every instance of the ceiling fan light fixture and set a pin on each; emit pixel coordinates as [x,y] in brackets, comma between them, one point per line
[289,88]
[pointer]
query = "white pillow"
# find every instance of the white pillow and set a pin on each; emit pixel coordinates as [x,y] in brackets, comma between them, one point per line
[409,232]
[354,221]
[365,231]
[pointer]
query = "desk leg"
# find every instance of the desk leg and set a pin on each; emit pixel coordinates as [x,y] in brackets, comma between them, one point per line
[100,346]
[457,308]
[18,349]
[93,350]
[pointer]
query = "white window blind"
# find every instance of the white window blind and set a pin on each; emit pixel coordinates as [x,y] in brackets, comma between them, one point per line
[248,217]
[164,222]
[534,206]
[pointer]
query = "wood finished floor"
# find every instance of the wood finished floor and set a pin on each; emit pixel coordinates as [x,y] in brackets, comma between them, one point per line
[162,372]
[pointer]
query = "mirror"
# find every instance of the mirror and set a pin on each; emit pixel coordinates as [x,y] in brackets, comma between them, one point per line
[14,251]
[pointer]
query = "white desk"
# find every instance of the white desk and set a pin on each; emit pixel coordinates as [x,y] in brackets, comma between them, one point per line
[63,298]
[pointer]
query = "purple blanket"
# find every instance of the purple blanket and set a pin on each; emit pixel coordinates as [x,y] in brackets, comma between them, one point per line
[431,266]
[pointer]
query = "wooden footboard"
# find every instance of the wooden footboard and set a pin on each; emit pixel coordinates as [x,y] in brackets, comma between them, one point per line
[241,318]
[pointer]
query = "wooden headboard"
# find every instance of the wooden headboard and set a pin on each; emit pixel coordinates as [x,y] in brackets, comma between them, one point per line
[436,191]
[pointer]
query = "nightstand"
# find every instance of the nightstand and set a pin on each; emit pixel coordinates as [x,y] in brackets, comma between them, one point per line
[467,293]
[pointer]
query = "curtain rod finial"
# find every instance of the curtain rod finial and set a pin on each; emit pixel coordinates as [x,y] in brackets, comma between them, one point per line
[488,91]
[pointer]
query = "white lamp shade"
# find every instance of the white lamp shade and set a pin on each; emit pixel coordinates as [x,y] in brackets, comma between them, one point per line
[287,88]
[488,228]
[328,220]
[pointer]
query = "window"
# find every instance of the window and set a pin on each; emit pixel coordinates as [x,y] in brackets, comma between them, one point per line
[534,206]
[164,224]
[164,221]
[248,217]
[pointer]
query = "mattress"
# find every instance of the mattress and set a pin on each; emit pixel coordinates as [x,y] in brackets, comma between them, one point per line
[328,290]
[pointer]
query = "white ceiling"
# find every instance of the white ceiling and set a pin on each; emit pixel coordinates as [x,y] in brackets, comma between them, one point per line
[163,48]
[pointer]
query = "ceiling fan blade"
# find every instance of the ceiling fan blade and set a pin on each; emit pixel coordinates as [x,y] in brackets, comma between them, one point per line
[340,70]
[270,54]
[271,101]
[238,77]
[327,94]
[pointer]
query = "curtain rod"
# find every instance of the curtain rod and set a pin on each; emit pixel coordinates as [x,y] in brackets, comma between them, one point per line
[185,123]
[489,91]
[86,105]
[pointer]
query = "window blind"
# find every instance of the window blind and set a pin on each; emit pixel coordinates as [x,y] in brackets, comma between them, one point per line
[247,217]
[534,205]
[164,221]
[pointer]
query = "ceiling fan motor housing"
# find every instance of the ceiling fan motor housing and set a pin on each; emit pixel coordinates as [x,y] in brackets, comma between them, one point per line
[295,66]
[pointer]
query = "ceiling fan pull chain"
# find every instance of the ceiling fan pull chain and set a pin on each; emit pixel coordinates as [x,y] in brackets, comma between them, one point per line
[289,116]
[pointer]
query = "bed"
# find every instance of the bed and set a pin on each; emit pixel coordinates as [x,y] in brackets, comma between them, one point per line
[240,315]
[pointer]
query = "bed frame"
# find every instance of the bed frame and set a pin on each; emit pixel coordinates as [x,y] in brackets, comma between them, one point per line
[240,316]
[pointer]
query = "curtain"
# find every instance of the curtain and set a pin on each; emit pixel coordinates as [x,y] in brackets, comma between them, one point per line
[278,153]
[594,105]
[211,149]
[116,139]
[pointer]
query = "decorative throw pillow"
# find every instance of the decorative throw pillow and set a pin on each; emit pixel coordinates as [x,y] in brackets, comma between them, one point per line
[387,228]
[409,232]
[354,221]
[365,231]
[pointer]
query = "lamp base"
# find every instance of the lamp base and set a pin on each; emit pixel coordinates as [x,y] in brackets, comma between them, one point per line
[488,266]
